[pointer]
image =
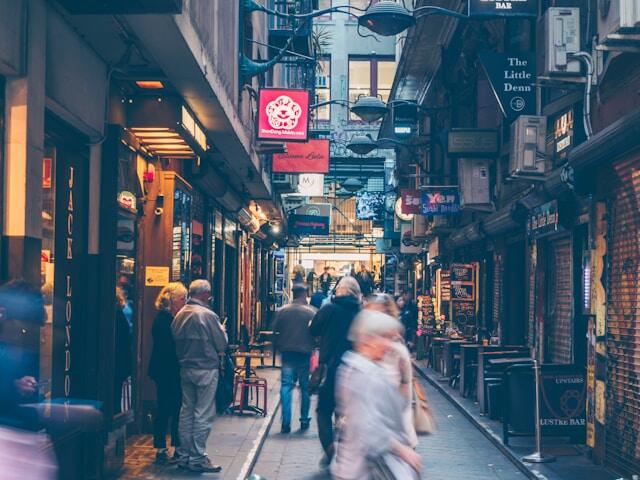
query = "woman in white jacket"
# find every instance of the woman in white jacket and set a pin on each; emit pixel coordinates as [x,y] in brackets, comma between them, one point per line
[370,407]
[397,361]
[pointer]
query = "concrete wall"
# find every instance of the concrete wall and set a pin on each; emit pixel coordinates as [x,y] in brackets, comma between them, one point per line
[13,17]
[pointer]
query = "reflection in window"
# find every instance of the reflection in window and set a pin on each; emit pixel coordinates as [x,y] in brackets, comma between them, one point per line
[47,267]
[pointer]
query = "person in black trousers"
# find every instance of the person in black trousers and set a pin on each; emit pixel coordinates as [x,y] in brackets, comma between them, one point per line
[165,370]
[331,324]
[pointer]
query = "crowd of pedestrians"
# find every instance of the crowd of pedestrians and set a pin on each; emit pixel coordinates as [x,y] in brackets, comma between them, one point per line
[347,347]
[363,374]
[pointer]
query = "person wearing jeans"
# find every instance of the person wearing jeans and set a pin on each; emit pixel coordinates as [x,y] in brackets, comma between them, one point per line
[293,339]
[295,368]
[200,340]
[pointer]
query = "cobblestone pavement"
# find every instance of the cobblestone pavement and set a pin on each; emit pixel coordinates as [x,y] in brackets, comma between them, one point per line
[457,451]
[232,439]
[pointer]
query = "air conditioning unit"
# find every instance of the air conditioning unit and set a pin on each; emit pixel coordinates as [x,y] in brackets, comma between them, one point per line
[618,21]
[284,182]
[528,159]
[562,38]
[475,188]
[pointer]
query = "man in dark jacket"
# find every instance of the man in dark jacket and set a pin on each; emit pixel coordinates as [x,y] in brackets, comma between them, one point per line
[409,316]
[331,324]
[317,299]
[325,281]
[294,340]
[365,280]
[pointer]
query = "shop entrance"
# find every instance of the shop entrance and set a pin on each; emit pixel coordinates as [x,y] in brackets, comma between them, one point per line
[514,323]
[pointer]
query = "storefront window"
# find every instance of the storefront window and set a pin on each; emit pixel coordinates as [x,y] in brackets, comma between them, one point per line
[47,267]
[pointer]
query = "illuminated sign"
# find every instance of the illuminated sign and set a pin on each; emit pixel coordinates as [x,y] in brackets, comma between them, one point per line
[283,115]
[563,132]
[441,201]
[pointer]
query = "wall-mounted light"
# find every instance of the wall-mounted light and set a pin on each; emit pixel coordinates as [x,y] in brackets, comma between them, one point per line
[149,84]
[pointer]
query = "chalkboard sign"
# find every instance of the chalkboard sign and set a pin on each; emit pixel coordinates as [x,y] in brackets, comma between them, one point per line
[462,291]
[562,405]
[462,272]
[463,314]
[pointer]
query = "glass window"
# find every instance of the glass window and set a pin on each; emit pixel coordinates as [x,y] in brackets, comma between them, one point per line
[323,89]
[361,4]
[386,73]
[370,76]
[323,5]
[359,80]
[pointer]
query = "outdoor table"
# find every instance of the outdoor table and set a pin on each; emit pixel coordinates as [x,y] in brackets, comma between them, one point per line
[247,375]
[488,353]
[449,349]
[272,334]
[508,361]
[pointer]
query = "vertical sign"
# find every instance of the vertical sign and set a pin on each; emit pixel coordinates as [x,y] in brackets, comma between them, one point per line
[69,362]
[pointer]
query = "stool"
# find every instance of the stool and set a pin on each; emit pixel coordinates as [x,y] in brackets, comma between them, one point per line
[494,400]
[455,371]
[248,387]
[471,384]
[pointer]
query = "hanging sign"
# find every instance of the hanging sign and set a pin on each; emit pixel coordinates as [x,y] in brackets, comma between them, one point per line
[308,224]
[311,184]
[512,77]
[509,8]
[440,201]
[543,220]
[472,142]
[411,202]
[283,115]
[309,157]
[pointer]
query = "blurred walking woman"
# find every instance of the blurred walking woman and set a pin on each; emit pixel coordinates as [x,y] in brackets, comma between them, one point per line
[372,442]
[165,370]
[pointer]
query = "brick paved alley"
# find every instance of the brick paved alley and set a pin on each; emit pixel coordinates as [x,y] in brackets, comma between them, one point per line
[457,451]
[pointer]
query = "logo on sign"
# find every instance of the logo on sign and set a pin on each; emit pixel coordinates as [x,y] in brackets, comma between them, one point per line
[283,113]
[518,104]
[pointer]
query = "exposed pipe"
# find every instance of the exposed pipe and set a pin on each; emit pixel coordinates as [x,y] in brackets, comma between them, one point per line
[585,57]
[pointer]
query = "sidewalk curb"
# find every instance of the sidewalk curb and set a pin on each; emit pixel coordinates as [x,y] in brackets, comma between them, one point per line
[252,458]
[492,437]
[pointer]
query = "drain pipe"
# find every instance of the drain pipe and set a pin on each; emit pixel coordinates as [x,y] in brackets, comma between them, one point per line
[587,59]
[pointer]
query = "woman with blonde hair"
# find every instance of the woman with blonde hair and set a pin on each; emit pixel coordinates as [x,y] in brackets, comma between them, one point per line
[165,370]
[397,361]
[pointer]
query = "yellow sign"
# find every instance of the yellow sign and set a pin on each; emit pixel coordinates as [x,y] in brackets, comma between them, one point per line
[156,276]
[600,402]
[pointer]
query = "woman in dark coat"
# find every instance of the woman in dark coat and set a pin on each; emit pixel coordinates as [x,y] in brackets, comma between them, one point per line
[165,370]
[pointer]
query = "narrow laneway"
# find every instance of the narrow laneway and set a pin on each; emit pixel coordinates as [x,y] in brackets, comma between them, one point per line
[458,450]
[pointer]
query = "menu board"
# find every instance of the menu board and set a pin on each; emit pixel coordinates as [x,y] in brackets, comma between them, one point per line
[462,272]
[463,314]
[181,237]
[426,310]
[463,285]
[462,291]
[445,286]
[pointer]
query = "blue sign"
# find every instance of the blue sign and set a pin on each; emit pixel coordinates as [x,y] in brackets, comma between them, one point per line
[308,225]
[441,201]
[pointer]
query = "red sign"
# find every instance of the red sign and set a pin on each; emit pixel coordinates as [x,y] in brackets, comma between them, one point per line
[283,115]
[411,202]
[310,157]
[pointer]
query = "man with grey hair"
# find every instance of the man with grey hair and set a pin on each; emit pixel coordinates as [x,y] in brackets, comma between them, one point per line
[200,340]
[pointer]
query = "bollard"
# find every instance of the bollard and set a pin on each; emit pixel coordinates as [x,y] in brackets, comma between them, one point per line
[538,456]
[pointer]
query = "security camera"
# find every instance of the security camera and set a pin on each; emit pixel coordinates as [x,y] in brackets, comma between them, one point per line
[159,204]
